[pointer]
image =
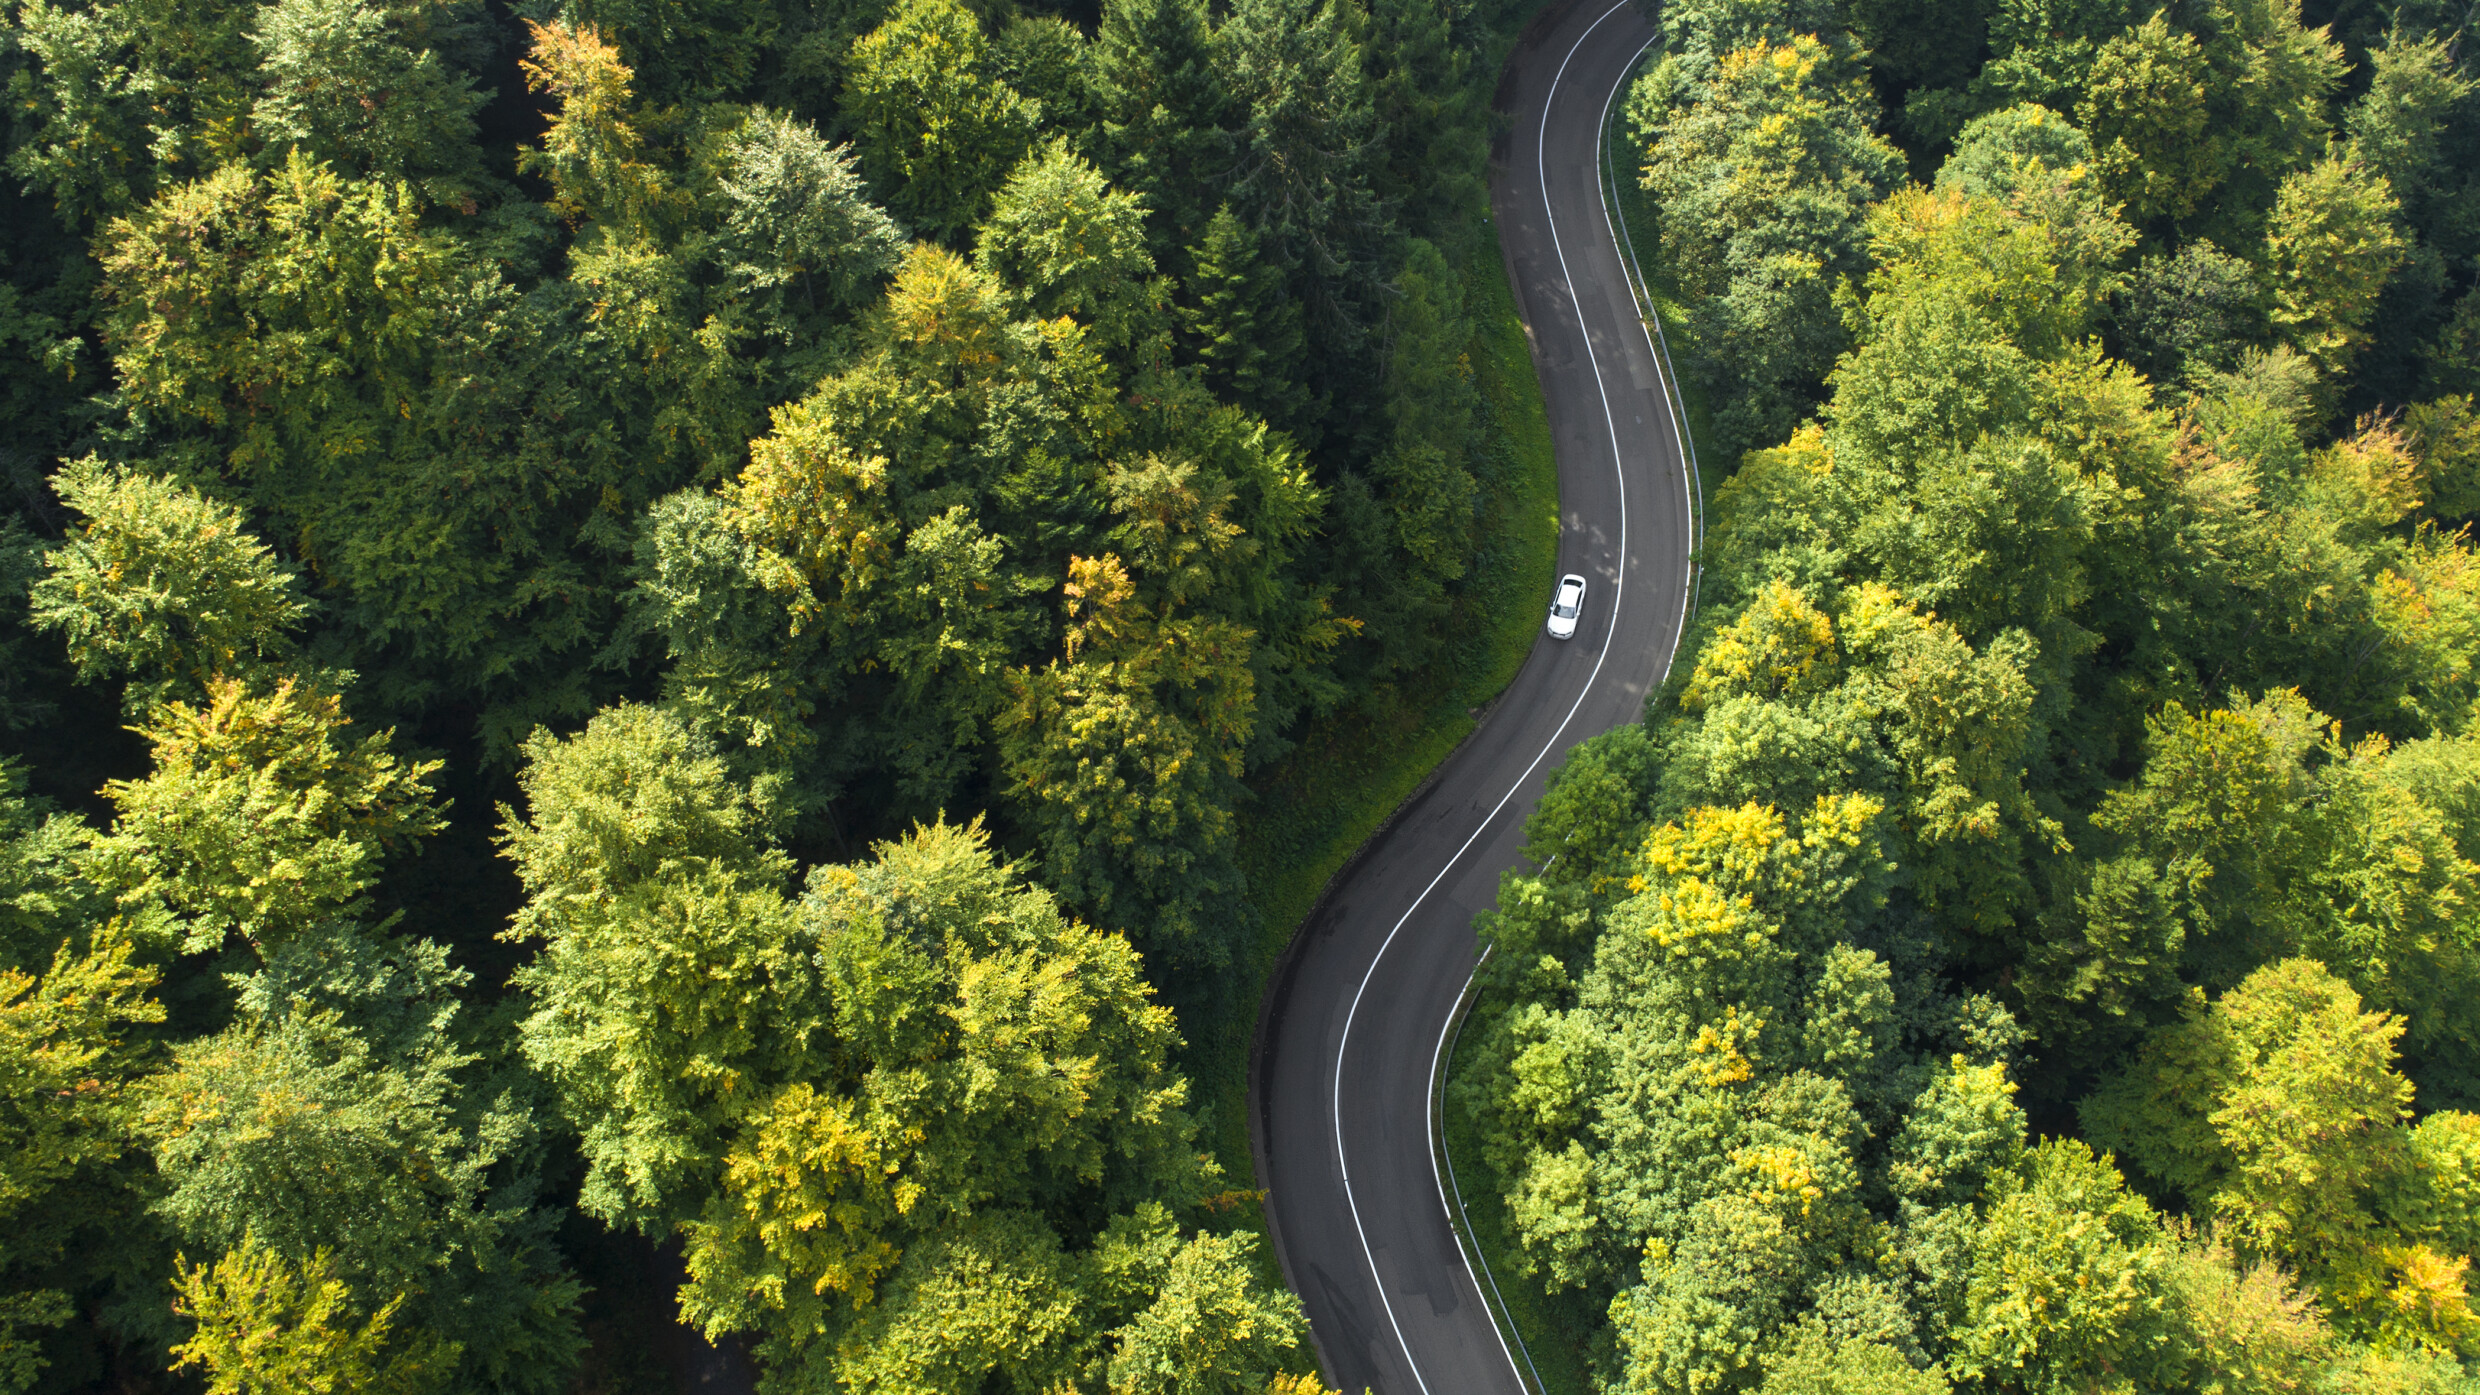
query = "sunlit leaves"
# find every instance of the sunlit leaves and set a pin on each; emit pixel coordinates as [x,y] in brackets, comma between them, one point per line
[68,1052]
[266,1325]
[937,129]
[162,584]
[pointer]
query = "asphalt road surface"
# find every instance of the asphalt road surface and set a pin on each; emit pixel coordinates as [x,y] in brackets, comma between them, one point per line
[1353,1025]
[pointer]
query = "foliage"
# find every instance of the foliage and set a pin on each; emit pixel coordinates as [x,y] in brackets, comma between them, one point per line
[266,1325]
[1762,175]
[2081,700]
[162,585]
[2331,245]
[649,876]
[66,1049]
[346,86]
[341,1109]
[936,125]
[257,820]
[983,1051]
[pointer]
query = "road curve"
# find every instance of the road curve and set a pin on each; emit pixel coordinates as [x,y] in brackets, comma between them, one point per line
[1352,1025]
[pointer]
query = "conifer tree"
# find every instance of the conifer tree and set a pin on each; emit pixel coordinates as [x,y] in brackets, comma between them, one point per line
[1243,326]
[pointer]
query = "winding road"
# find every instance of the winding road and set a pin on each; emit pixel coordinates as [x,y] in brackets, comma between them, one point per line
[1354,1024]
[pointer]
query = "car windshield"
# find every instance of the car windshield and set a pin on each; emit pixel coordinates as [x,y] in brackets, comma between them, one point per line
[1565,612]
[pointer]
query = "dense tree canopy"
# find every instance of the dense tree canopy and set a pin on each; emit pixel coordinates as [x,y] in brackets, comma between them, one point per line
[649,625]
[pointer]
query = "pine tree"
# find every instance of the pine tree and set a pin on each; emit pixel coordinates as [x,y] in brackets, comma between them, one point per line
[1240,323]
[1165,115]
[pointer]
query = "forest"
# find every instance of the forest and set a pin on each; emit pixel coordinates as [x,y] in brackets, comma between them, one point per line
[2032,941]
[634,638]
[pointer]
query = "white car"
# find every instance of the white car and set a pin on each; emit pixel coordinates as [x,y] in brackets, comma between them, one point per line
[1566,606]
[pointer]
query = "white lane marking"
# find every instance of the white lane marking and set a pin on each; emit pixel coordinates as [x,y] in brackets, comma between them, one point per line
[1619,468]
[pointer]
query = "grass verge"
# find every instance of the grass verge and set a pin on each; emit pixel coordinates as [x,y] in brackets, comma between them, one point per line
[1316,807]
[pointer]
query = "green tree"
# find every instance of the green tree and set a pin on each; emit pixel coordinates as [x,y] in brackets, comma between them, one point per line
[2247,1326]
[814,621]
[130,98]
[1124,753]
[799,241]
[341,1112]
[2444,436]
[2276,1108]
[259,818]
[1164,115]
[1212,1329]
[69,1198]
[1240,322]
[2274,81]
[1430,113]
[2399,130]
[1933,728]
[2191,312]
[1593,814]
[370,389]
[591,151]
[1677,1075]
[43,896]
[2383,893]
[1065,243]
[2436,1196]
[2005,152]
[346,87]
[1426,472]
[1763,180]
[2044,51]
[700,50]
[1710,1302]
[86,103]
[2329,248]
[2068,1279]
[995,1069]
[1303,146]
[992,1301]
[1048,61]
[163,586]
[1959,1135]
[1813,1364]
[936,130]
[2209,119]
[1703,32]
[2213,827]
[265,1325]
[673,987]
